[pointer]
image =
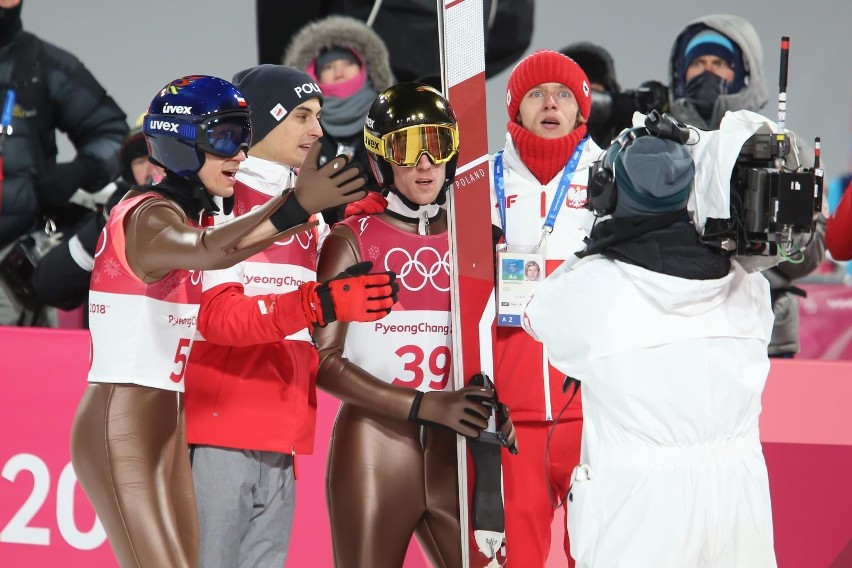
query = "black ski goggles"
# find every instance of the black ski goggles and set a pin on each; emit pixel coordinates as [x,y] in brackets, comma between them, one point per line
[405,146]
[222,135]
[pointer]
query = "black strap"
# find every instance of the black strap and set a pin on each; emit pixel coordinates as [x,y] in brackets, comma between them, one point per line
[326,303]
[415,406]
[776,293]
[289,214]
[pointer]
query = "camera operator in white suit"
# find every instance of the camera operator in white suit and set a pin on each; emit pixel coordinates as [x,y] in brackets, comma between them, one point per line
[672,358]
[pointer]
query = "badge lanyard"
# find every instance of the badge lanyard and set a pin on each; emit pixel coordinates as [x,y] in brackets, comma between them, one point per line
[521,268]
[558,199]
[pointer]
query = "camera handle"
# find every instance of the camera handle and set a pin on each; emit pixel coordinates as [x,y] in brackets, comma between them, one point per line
[666,126]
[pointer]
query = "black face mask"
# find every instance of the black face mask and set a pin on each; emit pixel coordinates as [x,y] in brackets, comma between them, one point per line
[10,23]
[703,90]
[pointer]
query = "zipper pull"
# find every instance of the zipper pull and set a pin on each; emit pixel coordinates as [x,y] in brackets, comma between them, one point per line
[423,225]
[293,454]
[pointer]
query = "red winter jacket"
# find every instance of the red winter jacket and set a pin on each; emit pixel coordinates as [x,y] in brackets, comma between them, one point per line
[246,387]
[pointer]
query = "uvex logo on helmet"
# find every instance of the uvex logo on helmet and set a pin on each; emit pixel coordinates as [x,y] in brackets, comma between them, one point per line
[177,109]
[307,89]
[164,125]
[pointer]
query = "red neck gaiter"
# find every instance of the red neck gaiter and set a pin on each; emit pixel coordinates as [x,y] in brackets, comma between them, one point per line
[544,157]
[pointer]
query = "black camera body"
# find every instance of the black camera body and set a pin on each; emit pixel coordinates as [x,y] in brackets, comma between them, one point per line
[768,201]
[612,112]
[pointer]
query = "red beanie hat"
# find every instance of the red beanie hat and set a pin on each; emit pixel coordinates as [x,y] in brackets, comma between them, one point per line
[545,66]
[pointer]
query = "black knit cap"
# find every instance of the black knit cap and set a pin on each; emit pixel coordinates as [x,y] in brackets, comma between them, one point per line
[133,147]
[653,176]
[272,92]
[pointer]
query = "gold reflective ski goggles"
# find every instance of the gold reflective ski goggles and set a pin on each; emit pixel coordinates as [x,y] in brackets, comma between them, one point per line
[405,146]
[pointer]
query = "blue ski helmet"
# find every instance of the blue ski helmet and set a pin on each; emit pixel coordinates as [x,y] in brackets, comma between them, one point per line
[193,115]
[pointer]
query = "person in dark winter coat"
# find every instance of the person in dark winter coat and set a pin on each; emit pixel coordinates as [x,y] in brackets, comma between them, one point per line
[408,27]
[53,91]
[716,65]
[61,278]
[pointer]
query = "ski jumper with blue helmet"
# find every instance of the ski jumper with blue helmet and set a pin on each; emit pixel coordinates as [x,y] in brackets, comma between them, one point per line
[128,442]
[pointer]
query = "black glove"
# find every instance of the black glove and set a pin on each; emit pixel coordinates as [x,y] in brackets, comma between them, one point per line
[464,410]
[57,185]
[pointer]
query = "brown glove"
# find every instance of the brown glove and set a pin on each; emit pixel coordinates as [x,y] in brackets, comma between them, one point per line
[335,183]
[505,428]
[464,410]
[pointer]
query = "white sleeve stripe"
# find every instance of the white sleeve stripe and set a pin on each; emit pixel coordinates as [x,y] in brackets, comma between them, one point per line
[83,259]
[262,307]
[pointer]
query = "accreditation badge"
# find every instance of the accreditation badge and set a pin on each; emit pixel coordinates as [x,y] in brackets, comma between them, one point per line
[519,271]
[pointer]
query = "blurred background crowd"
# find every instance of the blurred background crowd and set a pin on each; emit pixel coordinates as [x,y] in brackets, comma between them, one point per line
[627,52]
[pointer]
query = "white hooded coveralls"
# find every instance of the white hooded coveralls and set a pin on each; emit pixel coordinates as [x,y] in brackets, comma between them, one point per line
[672,472]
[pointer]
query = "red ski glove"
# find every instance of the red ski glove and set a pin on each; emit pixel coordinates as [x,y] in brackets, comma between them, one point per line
[373,204]
[352,295]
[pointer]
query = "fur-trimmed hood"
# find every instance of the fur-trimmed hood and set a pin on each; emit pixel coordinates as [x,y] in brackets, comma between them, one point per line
[347,32]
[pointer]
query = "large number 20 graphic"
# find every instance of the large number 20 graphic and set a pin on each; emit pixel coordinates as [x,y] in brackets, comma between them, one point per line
[20,530]
[439,367]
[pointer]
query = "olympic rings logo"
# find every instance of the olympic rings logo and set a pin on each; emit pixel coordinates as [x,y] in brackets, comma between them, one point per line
[305,244]
[422,269]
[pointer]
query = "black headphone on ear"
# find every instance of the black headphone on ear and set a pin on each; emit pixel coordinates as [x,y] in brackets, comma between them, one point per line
[601,191]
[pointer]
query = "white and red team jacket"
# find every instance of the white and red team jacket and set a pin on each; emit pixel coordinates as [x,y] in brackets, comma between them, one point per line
[141,333]
[251,378]
[412,345]
[524,379]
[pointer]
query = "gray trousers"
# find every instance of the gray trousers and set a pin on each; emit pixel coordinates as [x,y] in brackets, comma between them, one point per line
[246,501]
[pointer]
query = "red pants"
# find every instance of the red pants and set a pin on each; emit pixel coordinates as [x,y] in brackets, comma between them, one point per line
[526,478]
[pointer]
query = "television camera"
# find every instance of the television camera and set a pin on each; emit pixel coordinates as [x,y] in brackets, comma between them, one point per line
[769,201]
